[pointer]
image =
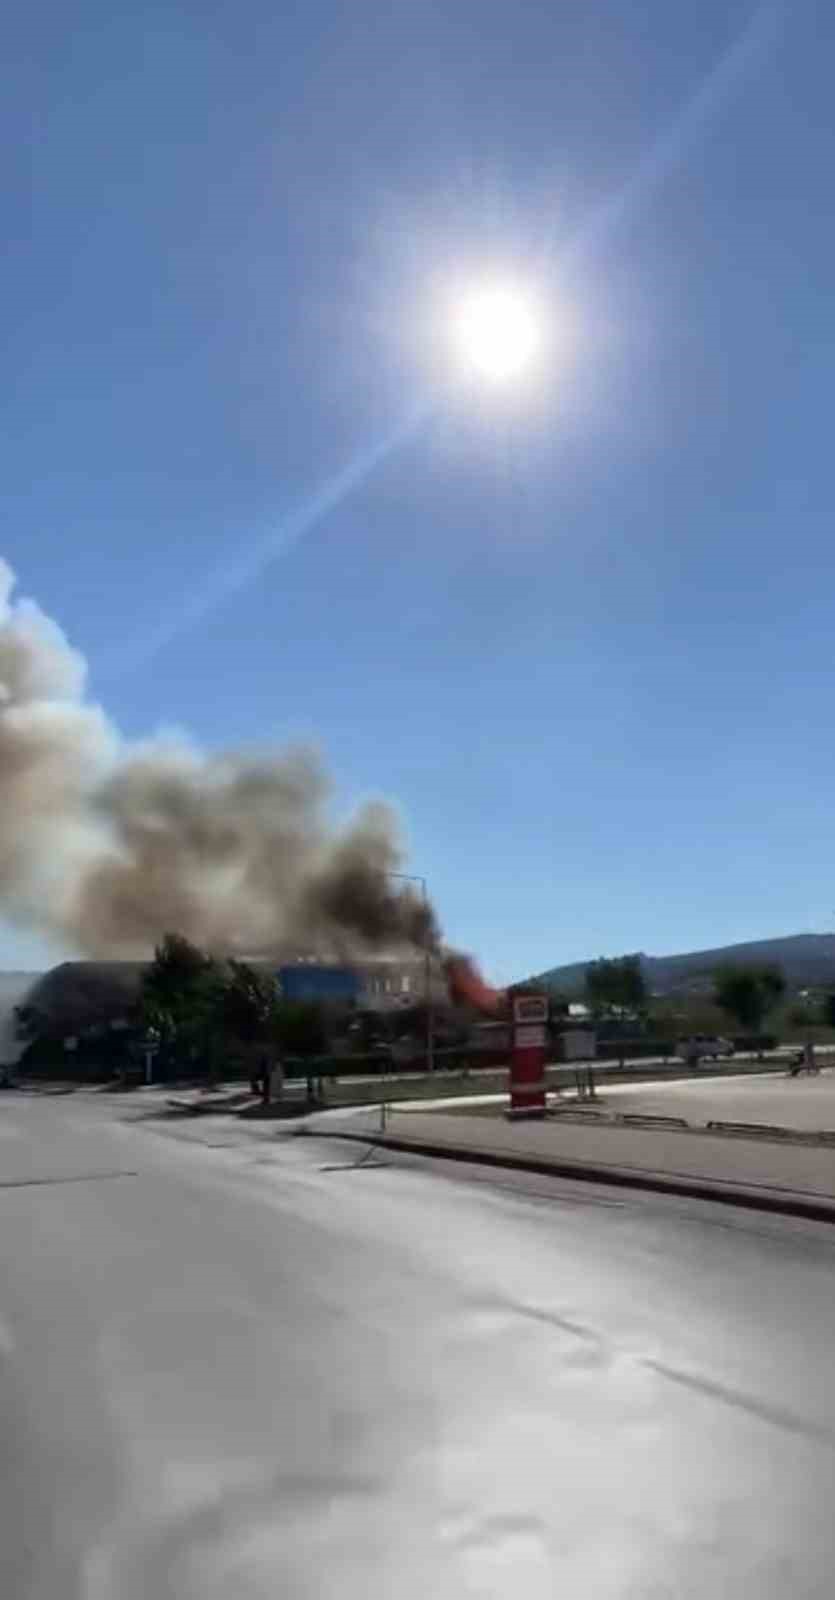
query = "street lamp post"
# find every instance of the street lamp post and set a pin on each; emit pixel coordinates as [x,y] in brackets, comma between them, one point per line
[415,877]
[150,1047]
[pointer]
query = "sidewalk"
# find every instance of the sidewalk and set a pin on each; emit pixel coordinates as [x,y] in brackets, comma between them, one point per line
[761,1171]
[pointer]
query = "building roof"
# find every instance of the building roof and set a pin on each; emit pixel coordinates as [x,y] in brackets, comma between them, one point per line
[82,993]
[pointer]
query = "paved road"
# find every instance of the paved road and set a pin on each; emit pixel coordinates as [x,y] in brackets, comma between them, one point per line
[234,1369]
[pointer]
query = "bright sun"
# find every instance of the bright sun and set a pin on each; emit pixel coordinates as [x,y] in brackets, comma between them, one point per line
[497,333]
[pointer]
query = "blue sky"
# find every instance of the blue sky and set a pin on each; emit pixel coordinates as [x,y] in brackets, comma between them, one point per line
[582,635]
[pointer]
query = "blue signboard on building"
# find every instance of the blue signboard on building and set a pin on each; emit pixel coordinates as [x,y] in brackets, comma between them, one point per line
[309,982]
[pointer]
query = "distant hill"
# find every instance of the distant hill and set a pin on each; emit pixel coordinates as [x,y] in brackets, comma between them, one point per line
[807,959]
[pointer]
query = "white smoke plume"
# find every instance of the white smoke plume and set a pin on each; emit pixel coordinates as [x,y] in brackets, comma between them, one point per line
[106,845]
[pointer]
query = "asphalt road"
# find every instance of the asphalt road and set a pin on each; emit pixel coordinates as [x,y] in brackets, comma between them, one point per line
[233,1367]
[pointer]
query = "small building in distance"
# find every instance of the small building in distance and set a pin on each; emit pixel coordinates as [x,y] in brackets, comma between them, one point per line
[382,984]
[79,995]
[309,980]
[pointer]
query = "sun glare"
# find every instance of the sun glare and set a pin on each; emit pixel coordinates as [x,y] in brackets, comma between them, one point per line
[497,333]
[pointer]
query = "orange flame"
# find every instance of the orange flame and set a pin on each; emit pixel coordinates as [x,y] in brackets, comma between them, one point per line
[466,984]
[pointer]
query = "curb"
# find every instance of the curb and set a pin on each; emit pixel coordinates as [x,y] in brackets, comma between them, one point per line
[784,1202]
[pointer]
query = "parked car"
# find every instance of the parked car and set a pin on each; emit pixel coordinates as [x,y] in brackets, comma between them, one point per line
[702,1046]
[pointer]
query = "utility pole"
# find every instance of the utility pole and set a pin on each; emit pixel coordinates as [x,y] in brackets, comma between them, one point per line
[427,974]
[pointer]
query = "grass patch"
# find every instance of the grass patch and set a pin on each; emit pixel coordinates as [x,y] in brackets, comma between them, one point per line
[423,1086]
[606,1074]
[441,1085]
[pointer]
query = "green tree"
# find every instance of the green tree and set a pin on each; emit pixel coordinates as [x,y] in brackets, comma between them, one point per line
[178,971]
[805,1012]
[301,1028]
[747,994]
[616,985]
[248,1006]
[179,1000]
[829,1010]
[301,1032]
[246,1015]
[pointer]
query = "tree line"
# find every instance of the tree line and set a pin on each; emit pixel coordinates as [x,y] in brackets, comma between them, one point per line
[197,1007]
[747,995]
[193,1010]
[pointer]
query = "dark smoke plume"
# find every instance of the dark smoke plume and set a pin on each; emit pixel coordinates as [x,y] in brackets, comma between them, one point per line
[105,845]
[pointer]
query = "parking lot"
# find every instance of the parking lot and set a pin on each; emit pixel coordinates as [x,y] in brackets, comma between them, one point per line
[805,1102]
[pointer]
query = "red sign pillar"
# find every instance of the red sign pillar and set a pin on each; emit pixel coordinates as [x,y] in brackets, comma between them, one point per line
[528,1048]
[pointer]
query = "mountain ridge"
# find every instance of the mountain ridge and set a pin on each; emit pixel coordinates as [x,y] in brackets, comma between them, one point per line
[807,960]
